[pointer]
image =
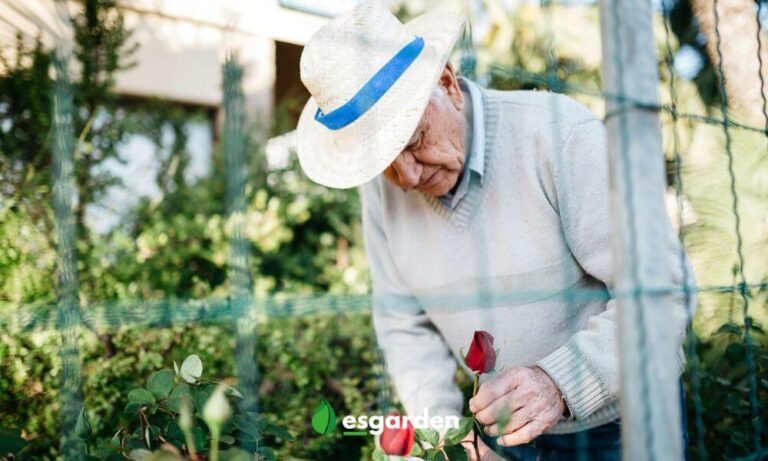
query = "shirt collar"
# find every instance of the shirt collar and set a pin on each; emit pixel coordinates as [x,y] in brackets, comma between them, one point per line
[476,145]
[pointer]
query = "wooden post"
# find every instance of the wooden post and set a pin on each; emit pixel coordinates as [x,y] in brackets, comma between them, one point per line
[650,402]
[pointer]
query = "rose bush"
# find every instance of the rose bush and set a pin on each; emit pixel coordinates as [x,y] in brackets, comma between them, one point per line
[178,415]
[332,356]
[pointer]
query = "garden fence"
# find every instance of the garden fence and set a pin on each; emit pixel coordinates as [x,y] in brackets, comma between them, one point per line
[650,406]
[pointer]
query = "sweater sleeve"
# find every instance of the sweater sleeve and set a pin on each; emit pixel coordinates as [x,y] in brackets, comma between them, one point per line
[586,368]
[417,358]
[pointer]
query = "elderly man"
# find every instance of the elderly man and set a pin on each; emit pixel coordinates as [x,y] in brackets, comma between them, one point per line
[482,210]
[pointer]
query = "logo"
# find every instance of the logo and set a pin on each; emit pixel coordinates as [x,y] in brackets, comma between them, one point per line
[324,422]
[324,418]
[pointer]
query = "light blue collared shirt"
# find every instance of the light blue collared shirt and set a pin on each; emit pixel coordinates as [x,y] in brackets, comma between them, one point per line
[475,161]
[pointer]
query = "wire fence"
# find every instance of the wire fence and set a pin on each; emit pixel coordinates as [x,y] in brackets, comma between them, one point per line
[242,310]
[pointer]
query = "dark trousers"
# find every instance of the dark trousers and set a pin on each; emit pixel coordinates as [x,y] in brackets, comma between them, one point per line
[601,443]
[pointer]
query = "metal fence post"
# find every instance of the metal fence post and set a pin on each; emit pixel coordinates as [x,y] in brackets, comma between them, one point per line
[650,404]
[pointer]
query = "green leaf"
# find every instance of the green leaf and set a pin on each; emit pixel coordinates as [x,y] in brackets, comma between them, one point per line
[379,455]
[267,453]
[278,431]
[179,392]
[228,439]
[244,437]
[234,392]
[10,442]
[173,433]
[735,352]
[133,442]
[324,418]
[191,369]
[175,368]
[416,450]
[247,425]
[160,383]
[163,455]
[140,454]
[236,454]
[83,426]
[433,454]
[11,431]
[456,453]
[132,408]
[141,396]
[200,440]
[430,436]
[257,418]
[115,440]
[503,420]
[454,435]
[201,395]
[731,328]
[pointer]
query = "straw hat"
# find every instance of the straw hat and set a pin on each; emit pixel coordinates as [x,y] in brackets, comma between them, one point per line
[370,77]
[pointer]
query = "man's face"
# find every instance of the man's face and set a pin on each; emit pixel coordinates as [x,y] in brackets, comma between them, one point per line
[433,159]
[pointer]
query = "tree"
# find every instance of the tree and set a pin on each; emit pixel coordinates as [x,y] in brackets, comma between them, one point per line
[101,49]
[737,26]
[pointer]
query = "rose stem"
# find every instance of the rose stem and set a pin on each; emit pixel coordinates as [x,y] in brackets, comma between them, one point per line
[474,421]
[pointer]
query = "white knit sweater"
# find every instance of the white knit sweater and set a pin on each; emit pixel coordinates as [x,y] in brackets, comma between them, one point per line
[525,256]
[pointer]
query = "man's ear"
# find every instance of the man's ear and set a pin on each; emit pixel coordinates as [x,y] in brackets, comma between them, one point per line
[450,85]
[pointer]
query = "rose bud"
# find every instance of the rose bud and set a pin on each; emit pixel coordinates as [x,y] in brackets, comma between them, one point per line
[397,441]
[481,358]
[216,410]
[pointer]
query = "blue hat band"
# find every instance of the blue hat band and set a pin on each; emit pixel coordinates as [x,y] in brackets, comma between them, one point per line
[373,89]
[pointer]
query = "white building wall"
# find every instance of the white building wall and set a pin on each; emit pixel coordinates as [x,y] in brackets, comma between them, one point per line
[182,43]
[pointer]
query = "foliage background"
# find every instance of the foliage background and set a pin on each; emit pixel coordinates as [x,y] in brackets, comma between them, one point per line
[306,238]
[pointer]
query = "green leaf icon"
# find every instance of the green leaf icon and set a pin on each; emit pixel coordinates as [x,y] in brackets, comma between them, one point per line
[324,419]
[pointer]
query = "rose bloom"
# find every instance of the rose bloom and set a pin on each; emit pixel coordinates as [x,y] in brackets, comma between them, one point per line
[481,357]
[397,441]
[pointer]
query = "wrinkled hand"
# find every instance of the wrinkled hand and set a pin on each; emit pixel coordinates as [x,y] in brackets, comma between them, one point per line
[527,395]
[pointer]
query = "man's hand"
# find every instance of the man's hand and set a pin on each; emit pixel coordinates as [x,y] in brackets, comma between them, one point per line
[526,397]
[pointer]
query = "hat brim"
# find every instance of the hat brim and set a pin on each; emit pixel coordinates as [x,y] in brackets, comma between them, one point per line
[361,151]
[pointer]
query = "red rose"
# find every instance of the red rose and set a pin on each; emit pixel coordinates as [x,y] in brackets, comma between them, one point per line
[397,441]
[481,357]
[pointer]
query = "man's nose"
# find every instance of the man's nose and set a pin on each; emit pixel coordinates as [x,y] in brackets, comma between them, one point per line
[408,170]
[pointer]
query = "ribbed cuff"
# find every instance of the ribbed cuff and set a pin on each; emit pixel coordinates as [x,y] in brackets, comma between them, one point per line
[582,390]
